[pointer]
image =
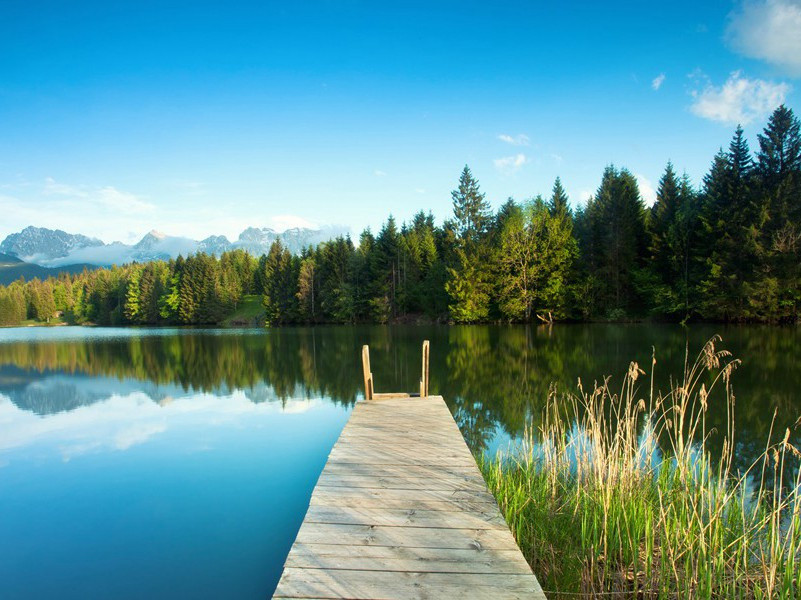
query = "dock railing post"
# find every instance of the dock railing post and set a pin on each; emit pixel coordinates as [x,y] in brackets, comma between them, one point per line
[424,377]
[368,376]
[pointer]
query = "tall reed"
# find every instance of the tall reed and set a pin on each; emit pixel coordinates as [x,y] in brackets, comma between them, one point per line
[619,493]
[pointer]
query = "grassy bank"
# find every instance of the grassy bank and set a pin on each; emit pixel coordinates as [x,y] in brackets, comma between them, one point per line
[619,494]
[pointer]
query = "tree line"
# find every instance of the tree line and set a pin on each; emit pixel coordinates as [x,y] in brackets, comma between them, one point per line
[728,251]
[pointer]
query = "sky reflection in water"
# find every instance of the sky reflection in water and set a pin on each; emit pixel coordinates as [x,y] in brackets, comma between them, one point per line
[162,463]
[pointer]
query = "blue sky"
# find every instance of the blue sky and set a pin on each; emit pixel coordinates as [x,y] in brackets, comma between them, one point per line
[197,117]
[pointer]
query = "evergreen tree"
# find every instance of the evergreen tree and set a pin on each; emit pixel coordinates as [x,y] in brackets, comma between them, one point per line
[471,212]
[776,295]
[468,285]
[559,203]
[385,266]
[618,242]
[732,222]
[306,290]
[281,274]
[780,146]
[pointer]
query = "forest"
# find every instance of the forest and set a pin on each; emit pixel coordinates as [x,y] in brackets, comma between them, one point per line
[728,250]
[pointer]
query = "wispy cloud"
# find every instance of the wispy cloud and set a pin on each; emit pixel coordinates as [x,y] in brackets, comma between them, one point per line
[521,139]
[510,164]
[93,198]
[657,82]
[379,173]
[768,30]
[284,222]
[646,189]
[738,100]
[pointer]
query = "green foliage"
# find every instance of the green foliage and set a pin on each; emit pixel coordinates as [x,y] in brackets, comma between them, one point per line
[642,505]
[729,251]
[13,307]
[281,272]
[534,258]
[468,282]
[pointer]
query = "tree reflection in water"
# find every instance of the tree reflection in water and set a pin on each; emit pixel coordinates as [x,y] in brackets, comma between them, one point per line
[496,379]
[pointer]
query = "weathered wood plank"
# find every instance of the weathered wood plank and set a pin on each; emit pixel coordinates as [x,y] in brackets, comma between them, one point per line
[416,537]
[401,511]
[428,499]
[421,560]
[404,470]
[323,583]
[413,517]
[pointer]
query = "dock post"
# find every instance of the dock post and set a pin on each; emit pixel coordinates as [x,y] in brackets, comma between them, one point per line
[424,377]
[368,376]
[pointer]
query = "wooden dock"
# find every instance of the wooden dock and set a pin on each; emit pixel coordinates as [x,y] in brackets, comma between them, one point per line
[402,511]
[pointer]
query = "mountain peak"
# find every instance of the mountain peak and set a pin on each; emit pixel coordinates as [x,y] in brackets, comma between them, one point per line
[55,248]
[43,244]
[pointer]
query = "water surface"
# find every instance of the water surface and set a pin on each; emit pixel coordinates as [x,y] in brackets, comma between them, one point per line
[167,463]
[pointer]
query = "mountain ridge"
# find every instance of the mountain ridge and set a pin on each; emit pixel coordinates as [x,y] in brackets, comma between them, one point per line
[57,249]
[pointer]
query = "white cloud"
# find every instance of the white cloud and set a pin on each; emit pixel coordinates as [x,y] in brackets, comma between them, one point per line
[521,139]
[379,173]
[768,30]
[419,190]
[585,195]
[123,421]
[136,434]
[123,202]
[646,189]
[510,164]
[557,158]
[739,100]
[658,81]
[283,222]
[93,198]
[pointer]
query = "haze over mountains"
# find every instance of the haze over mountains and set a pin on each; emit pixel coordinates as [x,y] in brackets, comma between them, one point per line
[58,249]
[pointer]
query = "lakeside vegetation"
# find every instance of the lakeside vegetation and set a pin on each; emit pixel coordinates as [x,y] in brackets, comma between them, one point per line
[729,251]
[619,493]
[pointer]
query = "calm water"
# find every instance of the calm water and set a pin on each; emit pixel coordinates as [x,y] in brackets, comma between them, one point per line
[179,463]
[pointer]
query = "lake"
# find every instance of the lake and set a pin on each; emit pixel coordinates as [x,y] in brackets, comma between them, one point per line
[165,463]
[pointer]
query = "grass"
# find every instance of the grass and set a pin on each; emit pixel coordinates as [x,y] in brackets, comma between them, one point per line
[618,495]
[250,311]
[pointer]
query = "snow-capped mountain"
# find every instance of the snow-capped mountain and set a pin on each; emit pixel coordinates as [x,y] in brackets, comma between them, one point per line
[56,248]
[37,244]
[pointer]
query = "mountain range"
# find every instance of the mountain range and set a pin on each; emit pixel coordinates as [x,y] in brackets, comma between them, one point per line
[55,248]
[39,252]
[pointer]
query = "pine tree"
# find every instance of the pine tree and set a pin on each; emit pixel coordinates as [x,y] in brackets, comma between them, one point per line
[306,290]
[468,280]
[471,212]
[732,221]
[559,203]
[132,304]
[385,269]
[776,295]
[619,240]
[780,145]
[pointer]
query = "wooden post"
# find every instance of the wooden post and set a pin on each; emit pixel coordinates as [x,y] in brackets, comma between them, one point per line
[424,378]
[368,376]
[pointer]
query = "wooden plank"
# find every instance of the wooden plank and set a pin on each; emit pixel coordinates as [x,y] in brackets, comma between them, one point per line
[404,470]
[416,537]
[412,517]
[401,511]
[302,583]
[421,560]
[428,499]
[394,483]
